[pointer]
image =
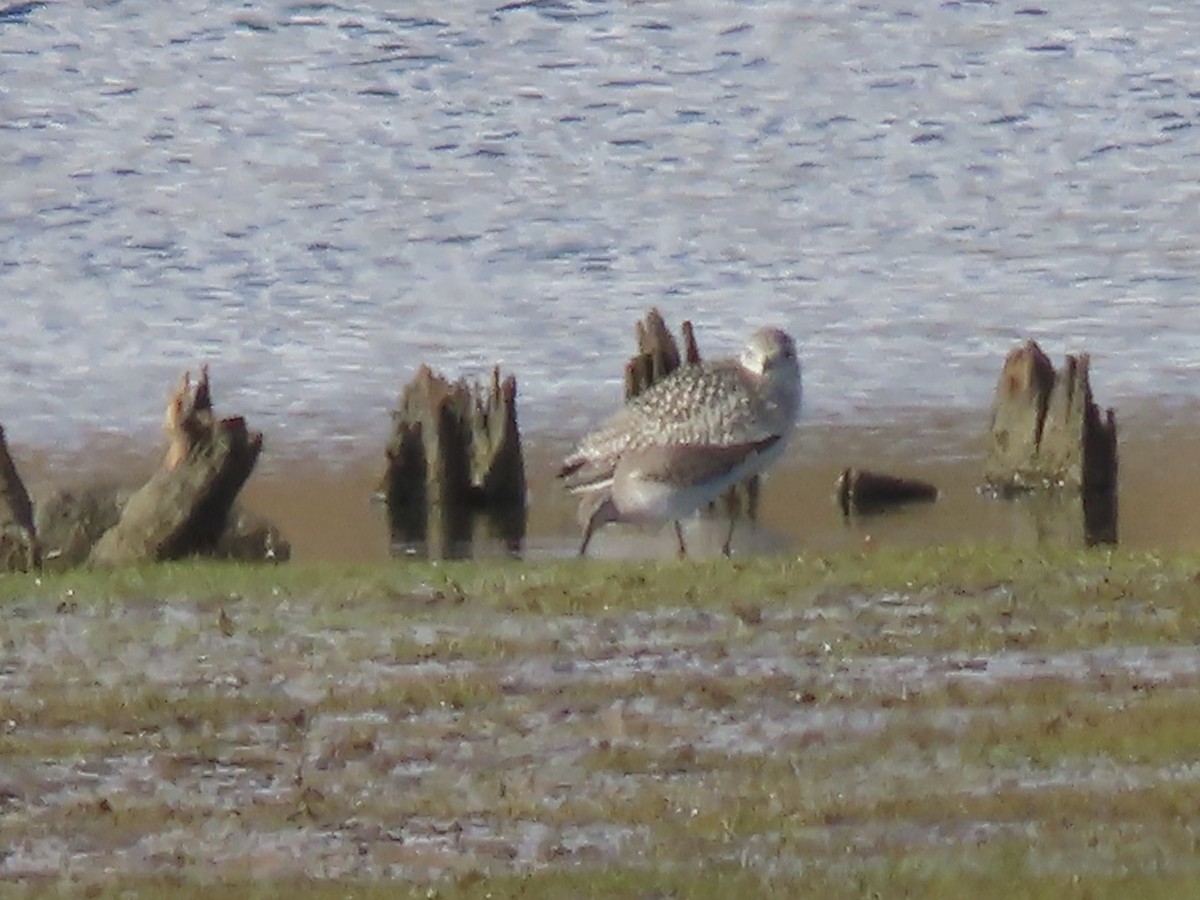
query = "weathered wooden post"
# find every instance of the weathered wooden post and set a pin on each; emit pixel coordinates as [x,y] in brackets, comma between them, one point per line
[1047,434]
[455,452]
[184,509]
[18,537]
[657,353]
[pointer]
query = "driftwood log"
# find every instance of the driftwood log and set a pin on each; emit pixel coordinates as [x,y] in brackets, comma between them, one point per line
[1048,434]
[860,491]
[184,508]
[18,537]
[455,457]
[658,355]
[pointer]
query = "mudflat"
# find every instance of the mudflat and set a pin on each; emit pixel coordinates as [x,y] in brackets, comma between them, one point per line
[323,503]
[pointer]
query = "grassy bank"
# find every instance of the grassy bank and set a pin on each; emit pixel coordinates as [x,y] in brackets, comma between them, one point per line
[923,724]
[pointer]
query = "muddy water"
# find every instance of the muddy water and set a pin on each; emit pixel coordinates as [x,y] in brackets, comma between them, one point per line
[324,506]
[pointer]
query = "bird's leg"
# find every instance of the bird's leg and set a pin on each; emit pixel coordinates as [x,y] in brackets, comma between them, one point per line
[587,537]
[679,537]
[598,510]
[725,548]
[593,522]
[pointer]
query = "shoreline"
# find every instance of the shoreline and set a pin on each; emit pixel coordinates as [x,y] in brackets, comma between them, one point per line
[323,505]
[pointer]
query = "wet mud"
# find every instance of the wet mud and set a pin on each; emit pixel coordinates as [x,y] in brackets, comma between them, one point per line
[325,508]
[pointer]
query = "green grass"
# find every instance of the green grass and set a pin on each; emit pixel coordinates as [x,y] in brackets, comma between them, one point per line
[999,871]
[941,723]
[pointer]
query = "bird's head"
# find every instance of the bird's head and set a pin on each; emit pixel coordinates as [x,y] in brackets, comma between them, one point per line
[770,354]
[770,351]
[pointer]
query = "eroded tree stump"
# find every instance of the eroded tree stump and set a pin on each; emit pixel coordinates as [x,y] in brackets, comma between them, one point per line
[658,355]
[455,452]
[184,508]
[1046,429]
[72,520]
[1048,434]
[18,537]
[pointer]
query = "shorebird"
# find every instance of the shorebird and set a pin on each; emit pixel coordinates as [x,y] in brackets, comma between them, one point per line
[681,443]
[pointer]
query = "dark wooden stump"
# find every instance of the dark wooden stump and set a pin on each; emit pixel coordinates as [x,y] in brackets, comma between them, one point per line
[184,508]
[863,492]
[18,537]
[1048,434]
[658,355]
[249,537]
[70,522]
[455,452]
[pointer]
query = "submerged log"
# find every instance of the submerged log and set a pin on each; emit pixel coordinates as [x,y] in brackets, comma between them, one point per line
[18,537]
[658,355]
[1047,433]
[861,491]
[455,452]
[184,508]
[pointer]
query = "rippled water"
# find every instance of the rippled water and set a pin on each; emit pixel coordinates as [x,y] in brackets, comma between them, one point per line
[315,198]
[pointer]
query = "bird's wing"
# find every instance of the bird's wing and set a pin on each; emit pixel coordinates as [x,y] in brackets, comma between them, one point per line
[683,465]
[590,465]
[581,473]
[691,407]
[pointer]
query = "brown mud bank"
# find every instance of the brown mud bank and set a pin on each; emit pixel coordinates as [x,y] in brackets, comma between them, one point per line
[324,505]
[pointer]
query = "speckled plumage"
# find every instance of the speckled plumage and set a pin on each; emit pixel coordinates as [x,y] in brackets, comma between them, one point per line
[676,446]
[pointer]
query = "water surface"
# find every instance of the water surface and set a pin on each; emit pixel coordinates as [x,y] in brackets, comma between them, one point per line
[315,198]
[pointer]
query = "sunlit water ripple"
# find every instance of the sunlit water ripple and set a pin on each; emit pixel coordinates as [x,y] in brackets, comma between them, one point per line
[316,198]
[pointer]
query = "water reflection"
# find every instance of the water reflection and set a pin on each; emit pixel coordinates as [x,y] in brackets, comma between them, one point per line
[443,532]
[1100,516]
[1062,517]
